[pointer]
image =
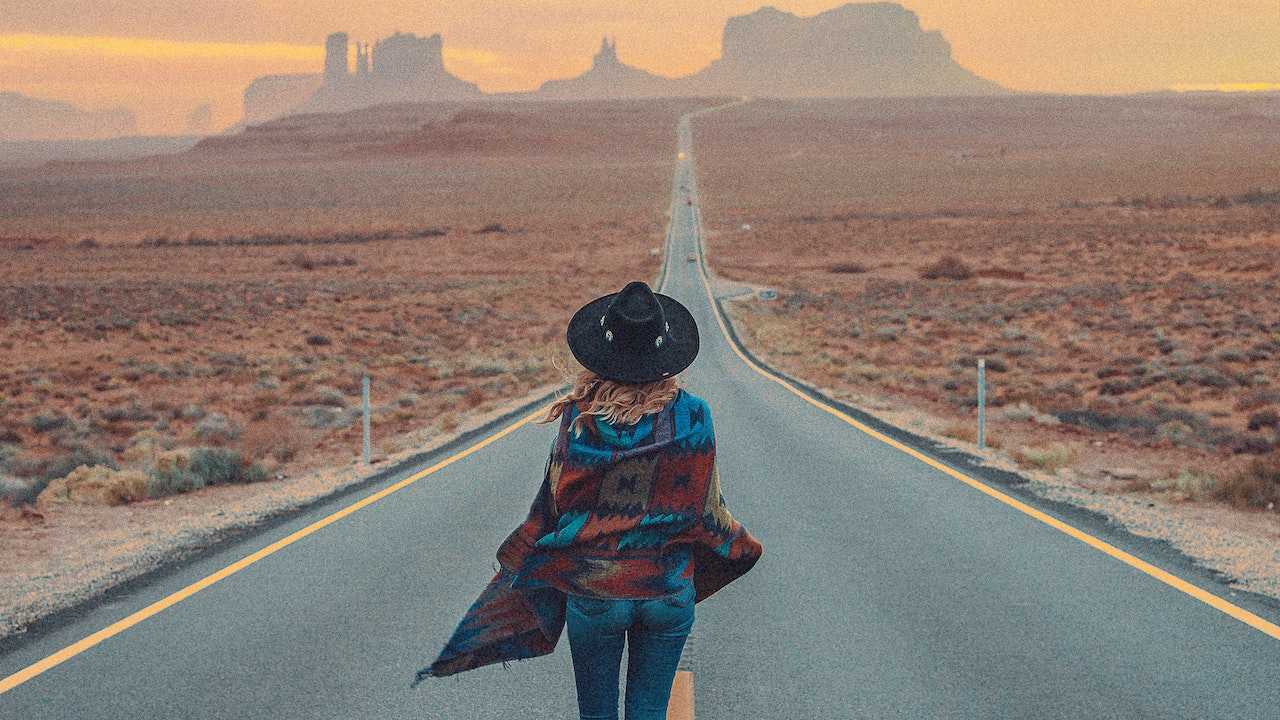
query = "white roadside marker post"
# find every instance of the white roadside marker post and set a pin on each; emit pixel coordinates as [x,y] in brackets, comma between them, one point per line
[364,403]
[982,403]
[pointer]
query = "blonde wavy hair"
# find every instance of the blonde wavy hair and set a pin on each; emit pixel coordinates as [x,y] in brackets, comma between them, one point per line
[617,402]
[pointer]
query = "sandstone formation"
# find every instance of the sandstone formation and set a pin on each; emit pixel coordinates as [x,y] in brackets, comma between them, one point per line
[864,49]
[401,68]
[200,120]
[27,118]
[611,78]
[272,96]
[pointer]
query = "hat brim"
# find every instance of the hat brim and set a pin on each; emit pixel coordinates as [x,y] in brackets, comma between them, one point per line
[586,341]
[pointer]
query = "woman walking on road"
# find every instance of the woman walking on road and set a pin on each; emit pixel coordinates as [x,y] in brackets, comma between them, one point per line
[629,528]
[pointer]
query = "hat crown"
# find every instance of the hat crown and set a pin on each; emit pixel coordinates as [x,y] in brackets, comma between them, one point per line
[636,302]
[634,320]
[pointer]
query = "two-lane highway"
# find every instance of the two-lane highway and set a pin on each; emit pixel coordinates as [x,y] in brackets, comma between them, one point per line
[888,589]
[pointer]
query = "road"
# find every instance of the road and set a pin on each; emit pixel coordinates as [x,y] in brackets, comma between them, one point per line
[888,589]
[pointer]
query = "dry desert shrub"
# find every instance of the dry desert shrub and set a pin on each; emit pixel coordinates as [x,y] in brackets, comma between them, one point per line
[1257,486]
[303,261]
[8,433]
[17,492]
[851,268]
[968,432]
[46,422]
[947,267]
[216,428]
[145,445]
[1191,484]
[962,431]
[280,440]
[487,368]
[95,485]
[184,470]
[323,395]
[132,411]
[1264,419]
[1049,459]
[170,474]
[224,466]
[473,397]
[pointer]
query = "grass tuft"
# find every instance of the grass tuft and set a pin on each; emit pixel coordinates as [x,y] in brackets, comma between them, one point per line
[947,267]
[1050,459]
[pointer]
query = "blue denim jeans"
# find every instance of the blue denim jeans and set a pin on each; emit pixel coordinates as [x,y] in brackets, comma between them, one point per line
[655,631]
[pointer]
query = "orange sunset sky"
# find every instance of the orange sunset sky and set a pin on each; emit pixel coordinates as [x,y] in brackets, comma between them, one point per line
[162,58]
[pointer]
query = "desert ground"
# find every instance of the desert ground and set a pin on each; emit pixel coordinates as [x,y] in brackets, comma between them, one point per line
[187,323]
[256,278]
[1113,259]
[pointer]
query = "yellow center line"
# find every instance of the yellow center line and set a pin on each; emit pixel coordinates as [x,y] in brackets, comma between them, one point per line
[1252,620]
[119,626]
[680,706]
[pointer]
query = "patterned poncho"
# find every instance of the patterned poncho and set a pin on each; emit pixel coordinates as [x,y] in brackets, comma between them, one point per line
[617,506]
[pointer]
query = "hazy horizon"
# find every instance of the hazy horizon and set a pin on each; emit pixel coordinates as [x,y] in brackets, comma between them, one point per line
[162,60]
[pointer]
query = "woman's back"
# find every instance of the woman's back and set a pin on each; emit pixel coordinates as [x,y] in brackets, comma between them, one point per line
[627,502]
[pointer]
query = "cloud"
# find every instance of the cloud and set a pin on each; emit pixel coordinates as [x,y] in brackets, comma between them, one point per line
[1228,87]
[155,48]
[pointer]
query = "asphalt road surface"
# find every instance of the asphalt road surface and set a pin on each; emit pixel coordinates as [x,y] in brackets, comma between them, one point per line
[888,589]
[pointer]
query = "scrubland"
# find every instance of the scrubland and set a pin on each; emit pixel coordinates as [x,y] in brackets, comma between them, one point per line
[183,324]
[1115,260]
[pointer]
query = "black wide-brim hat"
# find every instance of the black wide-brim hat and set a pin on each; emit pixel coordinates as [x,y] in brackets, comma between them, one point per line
[634,335]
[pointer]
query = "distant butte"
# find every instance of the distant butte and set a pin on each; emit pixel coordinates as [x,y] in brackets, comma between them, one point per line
[874,49]
[23,117]
[400,68]
[609,77]
[856,49]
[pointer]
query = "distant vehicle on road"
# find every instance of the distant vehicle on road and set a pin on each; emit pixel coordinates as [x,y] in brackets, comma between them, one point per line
[692,258]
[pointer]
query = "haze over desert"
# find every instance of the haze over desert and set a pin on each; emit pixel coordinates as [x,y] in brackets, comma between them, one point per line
[863,204]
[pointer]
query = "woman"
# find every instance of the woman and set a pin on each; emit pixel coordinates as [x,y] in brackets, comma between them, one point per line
[629,528]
